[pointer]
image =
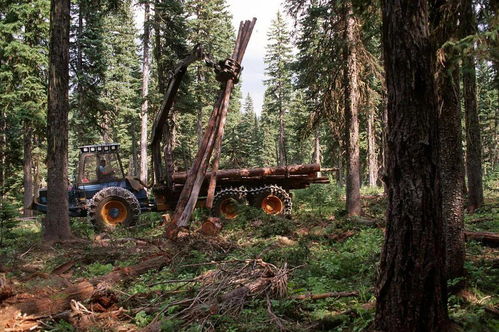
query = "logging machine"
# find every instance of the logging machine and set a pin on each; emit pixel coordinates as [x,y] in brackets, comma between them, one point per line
[102,192]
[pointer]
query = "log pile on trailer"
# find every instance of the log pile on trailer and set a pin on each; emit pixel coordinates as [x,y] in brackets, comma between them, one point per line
[289,177]
[266,188]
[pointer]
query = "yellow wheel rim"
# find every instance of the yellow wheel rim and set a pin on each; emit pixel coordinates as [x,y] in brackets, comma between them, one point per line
[272,205]
[228,208]
[114,212]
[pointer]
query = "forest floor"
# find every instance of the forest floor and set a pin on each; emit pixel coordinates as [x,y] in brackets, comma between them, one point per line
[315,271]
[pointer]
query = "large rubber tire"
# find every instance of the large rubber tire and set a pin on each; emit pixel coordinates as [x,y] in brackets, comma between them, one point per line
[272,199]
[113,206]
[226,202]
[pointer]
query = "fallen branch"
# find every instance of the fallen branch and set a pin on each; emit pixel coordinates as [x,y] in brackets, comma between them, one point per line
[363,221]
[479,220]
[274,318]
[51,304]
[324,295]
[487,238]
[472,298]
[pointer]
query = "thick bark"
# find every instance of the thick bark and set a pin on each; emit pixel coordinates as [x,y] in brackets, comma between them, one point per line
[352,96]
[145,95]
[57,220]
[27,169]
[411,287]
[372,155]
[472,124]
[451,149]
[452,169]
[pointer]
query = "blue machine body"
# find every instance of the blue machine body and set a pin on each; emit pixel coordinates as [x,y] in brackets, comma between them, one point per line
[88,183]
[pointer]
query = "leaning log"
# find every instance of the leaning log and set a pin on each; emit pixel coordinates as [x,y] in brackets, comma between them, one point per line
[227,74]
[165,113]
[487,238]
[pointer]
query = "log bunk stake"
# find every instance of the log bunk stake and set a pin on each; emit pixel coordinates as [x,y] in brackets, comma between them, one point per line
[228,75]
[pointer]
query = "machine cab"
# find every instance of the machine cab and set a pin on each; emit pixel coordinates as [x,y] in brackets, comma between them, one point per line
[99,164]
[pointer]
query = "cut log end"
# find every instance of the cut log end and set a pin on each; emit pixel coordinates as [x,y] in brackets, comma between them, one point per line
[211,227]
[166,218]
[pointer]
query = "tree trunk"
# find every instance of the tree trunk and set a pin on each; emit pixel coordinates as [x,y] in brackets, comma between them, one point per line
[199,125]
[199,120]
[145,95]
[27,169]
[281,151]
[372,155]
[57,219]
[317,146]
[79,56]
[411,287]
[3,144]
[168,147]
[158,48]
[133,164]
[36,171]
[472,124]
[452,169]
[451,149]
[352,117]
[384,154]
[339,175]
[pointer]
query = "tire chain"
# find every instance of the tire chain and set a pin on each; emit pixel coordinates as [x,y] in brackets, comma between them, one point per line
[243,192]
[116,192]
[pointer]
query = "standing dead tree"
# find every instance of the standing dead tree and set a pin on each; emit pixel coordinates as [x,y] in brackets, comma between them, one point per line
[227,74]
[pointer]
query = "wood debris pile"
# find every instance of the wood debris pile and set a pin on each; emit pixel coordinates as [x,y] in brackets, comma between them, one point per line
[228,288]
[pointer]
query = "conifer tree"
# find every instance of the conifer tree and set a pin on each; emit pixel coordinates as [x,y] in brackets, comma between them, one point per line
[169,45]
[241,147]
[335,68]
[269,133]
[24,27]
[121,88]
[209,26]
[472,125]
[56,227]
[278,85]
[88,65]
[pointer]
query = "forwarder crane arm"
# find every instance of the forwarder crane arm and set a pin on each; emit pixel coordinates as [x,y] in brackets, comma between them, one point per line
[165,113]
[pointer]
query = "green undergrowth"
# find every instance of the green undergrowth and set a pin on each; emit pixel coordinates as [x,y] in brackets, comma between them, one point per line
[323,250]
